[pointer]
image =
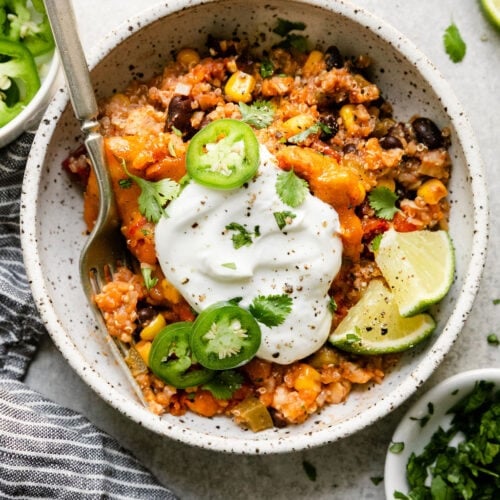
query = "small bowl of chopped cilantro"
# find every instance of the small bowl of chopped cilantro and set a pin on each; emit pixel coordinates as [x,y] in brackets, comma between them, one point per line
[448,443]
[29,67]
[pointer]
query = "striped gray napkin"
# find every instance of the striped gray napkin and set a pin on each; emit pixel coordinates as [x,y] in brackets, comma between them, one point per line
[46,451]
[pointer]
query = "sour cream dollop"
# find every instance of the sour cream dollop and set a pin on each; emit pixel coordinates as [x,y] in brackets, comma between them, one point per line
[197,255]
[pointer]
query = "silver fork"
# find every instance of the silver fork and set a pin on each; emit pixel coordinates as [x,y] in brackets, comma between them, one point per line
[105,247]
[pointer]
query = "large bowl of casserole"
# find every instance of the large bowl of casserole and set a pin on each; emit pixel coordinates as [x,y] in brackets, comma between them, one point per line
[343,87]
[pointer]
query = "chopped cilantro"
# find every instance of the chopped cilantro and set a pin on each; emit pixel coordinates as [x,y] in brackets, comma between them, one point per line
[266,68]
[291,189]
[376,480]
[283,218]
[493,339]
[313,129]
[125,183]
[375,243]
[154,195]
[284,27]
[397,447]
[454,45]
[242,236]
[425,419]
[149,281]
[293,41]
[260,114]
[496,302]
[229,265]
[332,305]
[224,384]
[471,468]
[383,201]
[271,310]
[310,470]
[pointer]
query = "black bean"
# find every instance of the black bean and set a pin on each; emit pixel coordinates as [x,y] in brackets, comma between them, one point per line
[349,148]
[427,132]
[145,315]
[330,120]
[390,142]
[333,58]
[179,114]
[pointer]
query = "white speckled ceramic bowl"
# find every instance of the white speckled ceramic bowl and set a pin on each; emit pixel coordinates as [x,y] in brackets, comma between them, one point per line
[29,117]
[52,226]
[415,436]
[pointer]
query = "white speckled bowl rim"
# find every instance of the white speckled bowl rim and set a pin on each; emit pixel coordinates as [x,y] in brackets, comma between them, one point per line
[414,437]
[294,438]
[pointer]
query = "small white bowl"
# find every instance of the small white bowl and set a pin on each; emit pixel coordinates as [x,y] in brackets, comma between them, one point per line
[29,118]
[415,436]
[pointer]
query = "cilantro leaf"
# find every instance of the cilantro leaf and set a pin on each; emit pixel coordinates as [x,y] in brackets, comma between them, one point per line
[291,189]
[332,305]
[454,45]
[397,447]
[283,218]
[242,236]
[149,281]
[293,41]
[260,114]
[284,27]
[375,243]
[224,384]
[383,201]
[310,470]
[271,310]
[266,68]
[313,129]
[493,339]
[154,195]
[125,183]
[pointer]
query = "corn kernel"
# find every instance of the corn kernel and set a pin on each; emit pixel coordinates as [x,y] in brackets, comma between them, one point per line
[239,87]
[297,124]
[308,379]
[313,64]
[143,347]
[387,182]
[150,331]
[188,57]
[347,113]
[432,191]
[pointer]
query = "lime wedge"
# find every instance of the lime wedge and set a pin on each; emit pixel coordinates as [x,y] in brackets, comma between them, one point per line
[374,326]
[491,9]
[418,266]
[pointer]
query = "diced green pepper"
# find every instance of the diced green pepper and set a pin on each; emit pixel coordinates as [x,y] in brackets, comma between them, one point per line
[19,80]
[252,413]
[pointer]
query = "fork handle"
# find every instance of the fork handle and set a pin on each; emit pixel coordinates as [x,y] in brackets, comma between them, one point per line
[63,22]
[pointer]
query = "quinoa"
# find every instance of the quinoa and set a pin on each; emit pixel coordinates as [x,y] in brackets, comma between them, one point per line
[358,147]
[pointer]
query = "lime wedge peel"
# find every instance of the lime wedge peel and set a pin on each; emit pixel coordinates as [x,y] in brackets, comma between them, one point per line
[418,266]
[491,9]
[374,326]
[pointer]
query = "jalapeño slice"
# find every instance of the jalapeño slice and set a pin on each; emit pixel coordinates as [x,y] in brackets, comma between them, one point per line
[225,336]
[223,155]
[171,359]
